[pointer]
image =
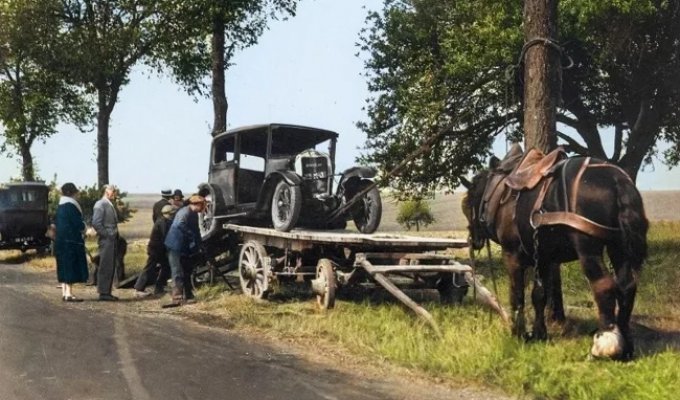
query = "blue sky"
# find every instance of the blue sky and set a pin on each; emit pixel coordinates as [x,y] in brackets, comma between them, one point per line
[303,71]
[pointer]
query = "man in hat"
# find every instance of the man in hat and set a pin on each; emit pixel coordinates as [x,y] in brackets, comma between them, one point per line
[166,196]
[105,223]
[183,241]
[156,256]
[177,199]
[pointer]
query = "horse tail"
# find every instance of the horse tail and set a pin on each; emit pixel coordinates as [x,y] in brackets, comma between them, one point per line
[632,221]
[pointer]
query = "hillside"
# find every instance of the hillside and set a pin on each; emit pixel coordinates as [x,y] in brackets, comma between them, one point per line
[659,205]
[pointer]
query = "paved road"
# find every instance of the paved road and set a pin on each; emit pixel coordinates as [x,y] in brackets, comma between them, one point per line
[91,350]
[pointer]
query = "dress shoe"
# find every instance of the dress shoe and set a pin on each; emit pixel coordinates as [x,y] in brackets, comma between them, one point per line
[72,299]
[107,297]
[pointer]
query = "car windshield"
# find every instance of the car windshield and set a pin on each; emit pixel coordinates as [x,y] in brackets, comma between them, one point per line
[293,140]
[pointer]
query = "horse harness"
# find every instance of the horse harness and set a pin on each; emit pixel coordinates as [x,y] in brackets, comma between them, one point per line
[542,170]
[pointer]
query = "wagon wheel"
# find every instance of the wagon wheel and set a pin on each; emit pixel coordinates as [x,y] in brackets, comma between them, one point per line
[207,223]
[286,205]
[325,284]
[253,270]
[367,212]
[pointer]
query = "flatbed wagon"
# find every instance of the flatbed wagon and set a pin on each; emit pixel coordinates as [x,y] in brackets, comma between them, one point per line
[332,260]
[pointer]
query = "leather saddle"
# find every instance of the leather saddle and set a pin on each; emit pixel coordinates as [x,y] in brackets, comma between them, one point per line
[533,168]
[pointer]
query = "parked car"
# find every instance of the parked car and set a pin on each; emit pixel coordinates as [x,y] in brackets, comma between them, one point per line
[283,176]
[23,216]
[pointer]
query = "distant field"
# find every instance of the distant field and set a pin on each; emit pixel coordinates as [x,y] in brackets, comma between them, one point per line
[659,205]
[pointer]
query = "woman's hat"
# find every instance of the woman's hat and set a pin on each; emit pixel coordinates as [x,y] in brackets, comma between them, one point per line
[178,193]
[69,189]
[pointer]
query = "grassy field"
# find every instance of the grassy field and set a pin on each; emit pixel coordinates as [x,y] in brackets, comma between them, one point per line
[475,347]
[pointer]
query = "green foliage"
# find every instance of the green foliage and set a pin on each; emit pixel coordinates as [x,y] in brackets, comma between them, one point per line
[184,48]
[34,98]
[87,196]
[452,66]
[414,213]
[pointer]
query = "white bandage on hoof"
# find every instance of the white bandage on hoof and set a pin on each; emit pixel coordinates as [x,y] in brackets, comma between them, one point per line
[607,344]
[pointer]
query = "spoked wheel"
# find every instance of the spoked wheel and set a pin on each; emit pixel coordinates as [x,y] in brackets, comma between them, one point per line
[286,205]
[367,212]
[207,223]
[324,284]
[253,270]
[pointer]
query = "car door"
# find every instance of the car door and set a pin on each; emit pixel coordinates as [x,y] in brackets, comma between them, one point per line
[224,164]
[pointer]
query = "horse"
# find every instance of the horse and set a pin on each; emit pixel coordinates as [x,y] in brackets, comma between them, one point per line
[556,210]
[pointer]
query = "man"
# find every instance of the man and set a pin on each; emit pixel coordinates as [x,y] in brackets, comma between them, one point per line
[183,241]
[105,223]
[177,199]
[166,196]
[156,256]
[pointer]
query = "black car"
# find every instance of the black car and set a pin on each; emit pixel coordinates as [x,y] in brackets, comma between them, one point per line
[283,176]
[23,216]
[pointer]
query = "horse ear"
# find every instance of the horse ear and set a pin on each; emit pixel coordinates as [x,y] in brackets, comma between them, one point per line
[494,162]
[465,182]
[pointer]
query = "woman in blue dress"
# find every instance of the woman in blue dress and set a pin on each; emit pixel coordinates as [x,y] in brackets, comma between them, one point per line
[69,244]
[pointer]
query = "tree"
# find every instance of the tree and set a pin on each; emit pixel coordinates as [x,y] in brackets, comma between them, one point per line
[541,74]
[33,98]
[107,38]
[451,66]
[414,213]
[231,26]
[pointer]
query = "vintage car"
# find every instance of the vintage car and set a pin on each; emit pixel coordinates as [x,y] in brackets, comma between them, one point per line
[23,216]
[283,176]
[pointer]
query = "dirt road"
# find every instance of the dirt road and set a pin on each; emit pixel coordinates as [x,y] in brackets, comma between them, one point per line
[50,349]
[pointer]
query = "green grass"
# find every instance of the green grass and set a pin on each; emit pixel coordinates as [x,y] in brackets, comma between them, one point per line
[476,348]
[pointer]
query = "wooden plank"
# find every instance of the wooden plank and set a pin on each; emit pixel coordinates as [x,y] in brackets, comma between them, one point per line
[351,238]
[383,269]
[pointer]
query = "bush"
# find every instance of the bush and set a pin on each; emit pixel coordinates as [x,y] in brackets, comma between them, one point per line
[88,196]
[415,213]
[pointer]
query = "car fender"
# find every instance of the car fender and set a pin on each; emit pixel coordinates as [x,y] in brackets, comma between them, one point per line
[270,183]
[356,174]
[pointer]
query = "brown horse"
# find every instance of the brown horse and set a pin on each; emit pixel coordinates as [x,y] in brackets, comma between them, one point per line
[570,209]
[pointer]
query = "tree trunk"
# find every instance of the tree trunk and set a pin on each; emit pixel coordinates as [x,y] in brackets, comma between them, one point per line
[27,169]
[541,74]
[103,119]
[219,96]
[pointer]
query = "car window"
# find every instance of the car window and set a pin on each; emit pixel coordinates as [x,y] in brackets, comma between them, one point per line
[224,150]
[254,163]
[291,141]
[23,197]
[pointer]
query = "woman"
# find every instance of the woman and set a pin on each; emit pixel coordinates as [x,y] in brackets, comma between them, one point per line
[69,245]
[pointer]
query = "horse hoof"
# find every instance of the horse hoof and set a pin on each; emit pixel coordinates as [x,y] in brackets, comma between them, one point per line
[608,344]
[535,337]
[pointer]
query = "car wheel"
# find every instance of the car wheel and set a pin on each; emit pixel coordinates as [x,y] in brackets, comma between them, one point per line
[286,205]
[367,212]
[207,223]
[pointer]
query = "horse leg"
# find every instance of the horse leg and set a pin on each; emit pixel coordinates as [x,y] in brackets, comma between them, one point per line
[542,289]
[626,289]
[555,301]
[516,273]
[608,341]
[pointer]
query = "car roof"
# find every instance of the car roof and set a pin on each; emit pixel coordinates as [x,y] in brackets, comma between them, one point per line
[290,139]
[324,133]
[25,184]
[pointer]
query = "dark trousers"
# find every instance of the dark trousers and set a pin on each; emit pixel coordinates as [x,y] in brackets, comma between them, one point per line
[156,271]
[181,268]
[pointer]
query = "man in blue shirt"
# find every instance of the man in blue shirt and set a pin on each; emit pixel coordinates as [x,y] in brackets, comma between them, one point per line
[182,241]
